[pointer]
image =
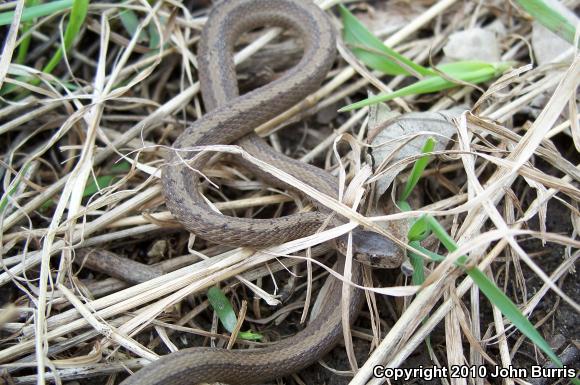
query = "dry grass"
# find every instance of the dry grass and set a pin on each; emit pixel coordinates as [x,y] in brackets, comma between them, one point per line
[510,169]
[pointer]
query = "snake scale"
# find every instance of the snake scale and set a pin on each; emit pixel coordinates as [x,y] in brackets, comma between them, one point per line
[232,118]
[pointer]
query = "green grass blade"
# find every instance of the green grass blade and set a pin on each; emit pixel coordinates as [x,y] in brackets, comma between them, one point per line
[130,21]
[250,335]
[378,56]
[418,169]
[434,256]
[76,20]
[154,38]
[31,13]
[419,230]
[25,43]
[425,224]
[473,72]
[106,180]
[416,261]
[404,205]
[511,312]
[12,188]
[418,265]
[442,235]
[494,294]
[226,314]
[98,184]
[550,18]
[221,305]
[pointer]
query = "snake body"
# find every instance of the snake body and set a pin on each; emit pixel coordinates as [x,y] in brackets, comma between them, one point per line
[232,118]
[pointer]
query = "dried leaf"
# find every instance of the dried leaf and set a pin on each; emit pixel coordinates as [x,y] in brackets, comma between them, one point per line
[404,136]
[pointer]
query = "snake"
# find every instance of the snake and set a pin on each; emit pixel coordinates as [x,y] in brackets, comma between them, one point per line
[231,118]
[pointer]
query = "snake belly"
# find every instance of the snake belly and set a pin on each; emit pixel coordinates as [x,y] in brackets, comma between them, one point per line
[232,118]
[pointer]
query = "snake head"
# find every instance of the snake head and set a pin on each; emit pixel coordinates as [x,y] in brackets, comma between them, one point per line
[372,249]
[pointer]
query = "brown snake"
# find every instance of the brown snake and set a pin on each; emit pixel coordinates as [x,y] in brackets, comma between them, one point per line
[233,118]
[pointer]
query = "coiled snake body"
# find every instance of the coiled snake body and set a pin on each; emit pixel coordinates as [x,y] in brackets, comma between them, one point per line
[233,118]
